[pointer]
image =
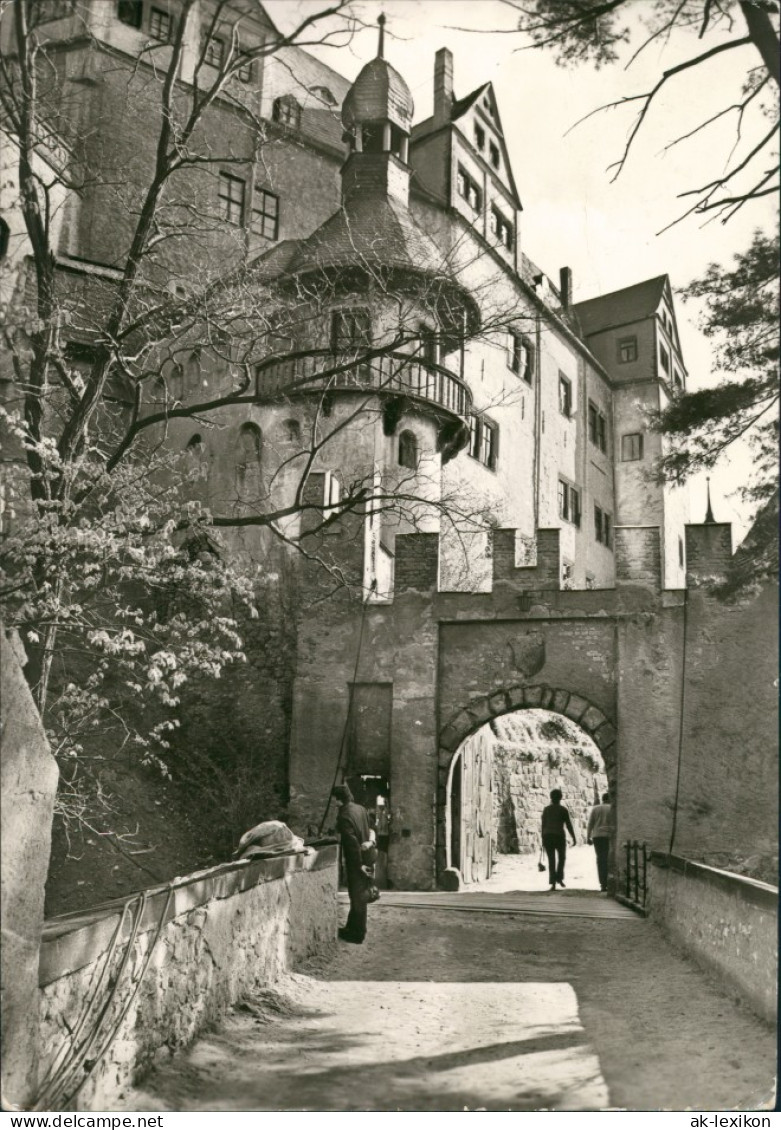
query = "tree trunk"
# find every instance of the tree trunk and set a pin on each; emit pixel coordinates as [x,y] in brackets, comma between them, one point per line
[763,36]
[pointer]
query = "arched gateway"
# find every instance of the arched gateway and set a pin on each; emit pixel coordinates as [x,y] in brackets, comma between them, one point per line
[465,787]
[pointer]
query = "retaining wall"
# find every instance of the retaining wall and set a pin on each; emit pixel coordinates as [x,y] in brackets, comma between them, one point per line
[726,922]
[199,945]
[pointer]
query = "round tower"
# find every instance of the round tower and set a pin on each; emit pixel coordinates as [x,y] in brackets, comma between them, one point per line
[374,325]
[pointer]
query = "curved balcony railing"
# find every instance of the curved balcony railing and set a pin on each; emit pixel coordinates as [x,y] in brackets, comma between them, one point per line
[398,373]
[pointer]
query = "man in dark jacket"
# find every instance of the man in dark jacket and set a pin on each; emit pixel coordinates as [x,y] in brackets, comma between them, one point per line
[555,819]
[352,824]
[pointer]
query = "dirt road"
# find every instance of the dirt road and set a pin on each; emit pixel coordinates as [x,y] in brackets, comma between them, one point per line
[447,1010]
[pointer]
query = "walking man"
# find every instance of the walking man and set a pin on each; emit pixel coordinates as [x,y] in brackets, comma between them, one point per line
[598,832]
[352,824]
[555,818]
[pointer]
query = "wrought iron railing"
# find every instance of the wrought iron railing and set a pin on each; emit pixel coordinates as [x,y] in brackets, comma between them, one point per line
[399,373]
[636,873]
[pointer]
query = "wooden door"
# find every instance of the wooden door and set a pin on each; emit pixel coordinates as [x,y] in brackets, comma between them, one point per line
[476,811]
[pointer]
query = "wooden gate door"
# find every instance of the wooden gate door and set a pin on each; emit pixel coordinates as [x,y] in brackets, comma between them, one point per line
[476,811]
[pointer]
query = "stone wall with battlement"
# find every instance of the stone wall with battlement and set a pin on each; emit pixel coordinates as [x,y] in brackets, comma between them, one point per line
[630,665]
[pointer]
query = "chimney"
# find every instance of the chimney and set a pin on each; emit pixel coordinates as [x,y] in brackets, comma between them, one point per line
[565,287]
[443,85]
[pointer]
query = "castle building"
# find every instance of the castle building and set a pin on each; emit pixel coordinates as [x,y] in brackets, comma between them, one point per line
[405,332]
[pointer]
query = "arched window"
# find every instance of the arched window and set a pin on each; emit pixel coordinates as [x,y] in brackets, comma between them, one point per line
[292,431]
[408,450]
[173,375]
[248,463]
[192,370]
[197,457]
[251,443]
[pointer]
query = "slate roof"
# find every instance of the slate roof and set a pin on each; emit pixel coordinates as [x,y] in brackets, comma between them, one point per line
[632,304]
[380,232]
[378,92]
[461,105]
[457,110]
[292,71]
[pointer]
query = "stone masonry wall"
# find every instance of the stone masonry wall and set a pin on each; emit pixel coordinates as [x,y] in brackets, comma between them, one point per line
[727,923]
[223,934]
[535,752]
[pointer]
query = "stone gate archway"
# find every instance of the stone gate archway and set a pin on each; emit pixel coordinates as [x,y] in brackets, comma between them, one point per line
[482,709]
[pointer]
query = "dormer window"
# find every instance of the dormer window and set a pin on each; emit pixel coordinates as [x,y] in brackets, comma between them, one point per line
[469,190]
[501,228]
[324,95]
[286,112]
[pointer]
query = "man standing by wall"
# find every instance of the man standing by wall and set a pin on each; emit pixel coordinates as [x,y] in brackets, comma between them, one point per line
[352,824]
[598,833]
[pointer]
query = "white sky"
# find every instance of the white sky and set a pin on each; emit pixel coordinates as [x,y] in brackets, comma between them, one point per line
[573,216]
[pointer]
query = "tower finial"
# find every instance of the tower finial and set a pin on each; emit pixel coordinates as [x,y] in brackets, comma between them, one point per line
[381,44]
[709,519]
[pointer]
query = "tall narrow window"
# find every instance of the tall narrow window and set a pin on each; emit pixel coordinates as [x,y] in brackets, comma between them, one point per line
[493,152]
[244,70]
[627,350]
[469,190]
[569,502]
[292,431]
[160,25]
[565,395]
[248,461]
[664,358]
[214,52]
[350,328]
[631,447]
[479,137]
[428,345]
[408,450]
[597,427]
[522,356]
[197,457]
[484,440]
[501,228]
[265,214]
[231,194]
